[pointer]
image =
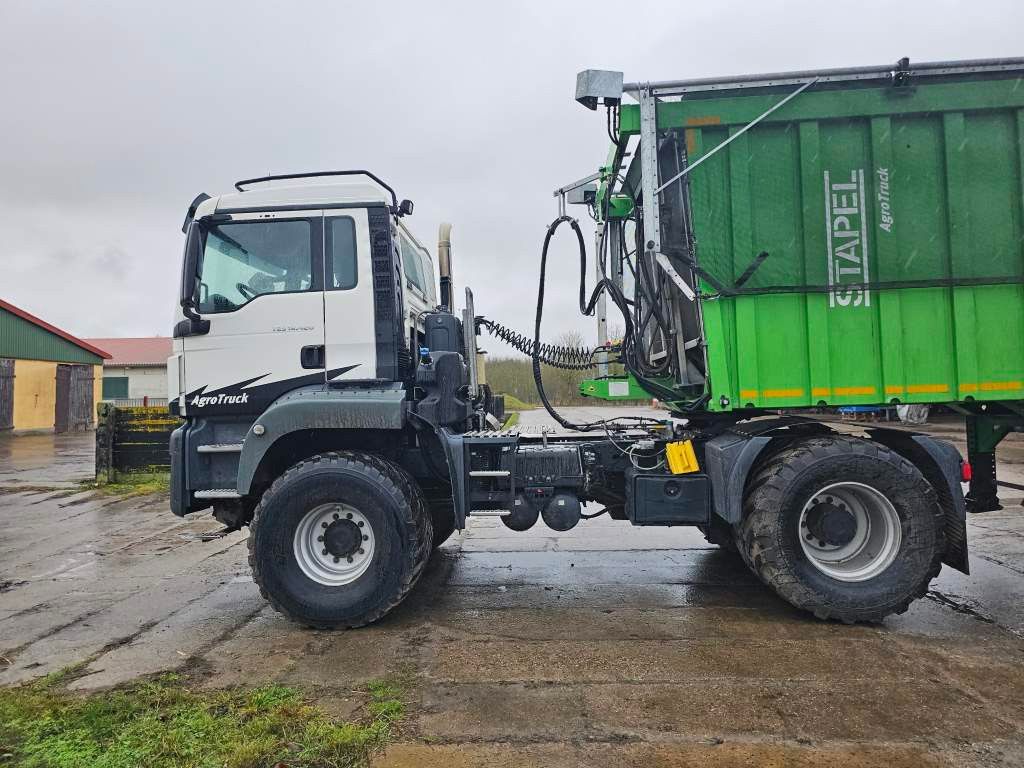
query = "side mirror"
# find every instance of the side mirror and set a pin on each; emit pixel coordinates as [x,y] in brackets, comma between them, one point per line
[405,208]
[201,198]
[190,269]
[196,325]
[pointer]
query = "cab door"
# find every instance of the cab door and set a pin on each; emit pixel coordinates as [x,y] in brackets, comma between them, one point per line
[351,317]
[261,289]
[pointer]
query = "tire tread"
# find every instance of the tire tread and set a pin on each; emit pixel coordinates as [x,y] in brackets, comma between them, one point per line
[755,536]
[407,496]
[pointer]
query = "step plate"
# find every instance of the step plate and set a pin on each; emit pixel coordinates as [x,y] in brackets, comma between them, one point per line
[218,493]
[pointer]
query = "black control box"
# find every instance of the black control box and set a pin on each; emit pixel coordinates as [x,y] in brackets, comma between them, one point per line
[656,499]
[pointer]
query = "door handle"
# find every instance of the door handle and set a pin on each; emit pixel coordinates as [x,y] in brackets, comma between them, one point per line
[313,356]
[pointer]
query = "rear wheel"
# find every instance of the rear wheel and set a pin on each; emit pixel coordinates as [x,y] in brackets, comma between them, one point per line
[842,527]
[339,540]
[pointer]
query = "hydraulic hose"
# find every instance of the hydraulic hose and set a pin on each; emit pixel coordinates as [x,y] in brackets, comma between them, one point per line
[637,315]
[587,308]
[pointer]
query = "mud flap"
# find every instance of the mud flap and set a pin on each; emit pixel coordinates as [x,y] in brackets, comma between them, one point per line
[939,461]
[179,492]
[454,454]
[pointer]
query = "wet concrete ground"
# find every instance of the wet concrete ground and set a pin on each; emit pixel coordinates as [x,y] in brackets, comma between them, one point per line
[47,460]
[607,645]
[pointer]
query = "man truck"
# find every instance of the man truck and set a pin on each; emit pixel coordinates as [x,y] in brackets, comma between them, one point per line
[774,245]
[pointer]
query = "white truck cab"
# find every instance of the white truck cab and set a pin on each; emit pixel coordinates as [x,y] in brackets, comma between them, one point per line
[285,284]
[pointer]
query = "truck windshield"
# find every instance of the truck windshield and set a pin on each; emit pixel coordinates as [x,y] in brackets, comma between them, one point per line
[246,259]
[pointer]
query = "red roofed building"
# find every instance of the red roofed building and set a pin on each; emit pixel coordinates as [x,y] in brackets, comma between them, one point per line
[49,379]
[136,370]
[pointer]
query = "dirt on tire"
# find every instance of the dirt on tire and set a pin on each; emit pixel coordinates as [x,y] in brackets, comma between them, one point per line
[767,537]
[396,499]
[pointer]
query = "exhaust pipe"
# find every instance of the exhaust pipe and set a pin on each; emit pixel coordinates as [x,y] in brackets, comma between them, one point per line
[444,264]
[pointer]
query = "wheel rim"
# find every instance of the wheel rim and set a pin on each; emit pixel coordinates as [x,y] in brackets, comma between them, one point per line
[850,531]
[334,544]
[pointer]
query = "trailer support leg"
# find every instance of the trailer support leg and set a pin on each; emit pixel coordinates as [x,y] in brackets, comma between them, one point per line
[984,433]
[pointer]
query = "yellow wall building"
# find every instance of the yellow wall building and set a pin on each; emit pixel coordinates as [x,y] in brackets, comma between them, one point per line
[49,380]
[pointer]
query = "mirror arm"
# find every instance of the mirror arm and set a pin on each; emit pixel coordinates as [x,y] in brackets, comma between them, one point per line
[188,309]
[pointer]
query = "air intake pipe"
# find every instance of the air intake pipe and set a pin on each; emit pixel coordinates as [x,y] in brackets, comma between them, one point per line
[444,264]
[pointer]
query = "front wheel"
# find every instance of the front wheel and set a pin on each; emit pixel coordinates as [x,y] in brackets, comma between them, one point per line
[842,527]
[339,540]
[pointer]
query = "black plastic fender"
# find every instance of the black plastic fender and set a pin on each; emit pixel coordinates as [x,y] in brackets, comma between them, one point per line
[318,408]
[729,457]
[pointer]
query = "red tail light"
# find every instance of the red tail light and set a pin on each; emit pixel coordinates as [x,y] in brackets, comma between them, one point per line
[966,473]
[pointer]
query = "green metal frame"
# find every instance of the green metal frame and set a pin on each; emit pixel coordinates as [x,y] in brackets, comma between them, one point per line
[601,388]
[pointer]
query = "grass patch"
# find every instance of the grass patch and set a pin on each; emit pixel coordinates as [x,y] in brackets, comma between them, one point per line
[133,484]
[164,723]
[513,403]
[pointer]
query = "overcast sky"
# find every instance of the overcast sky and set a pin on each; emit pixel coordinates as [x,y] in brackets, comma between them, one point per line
[113,116]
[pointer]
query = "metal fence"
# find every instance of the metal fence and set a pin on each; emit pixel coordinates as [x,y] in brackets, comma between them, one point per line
[132,439]
[137,402]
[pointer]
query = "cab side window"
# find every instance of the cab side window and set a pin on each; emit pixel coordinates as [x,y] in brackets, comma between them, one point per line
[427,268]
[246,259]
[341,254]
[411,264]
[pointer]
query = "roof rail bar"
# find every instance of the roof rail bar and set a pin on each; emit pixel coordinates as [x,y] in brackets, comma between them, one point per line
[879,72]
[394,198]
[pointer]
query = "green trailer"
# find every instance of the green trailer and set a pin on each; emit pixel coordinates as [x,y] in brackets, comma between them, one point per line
[834,238]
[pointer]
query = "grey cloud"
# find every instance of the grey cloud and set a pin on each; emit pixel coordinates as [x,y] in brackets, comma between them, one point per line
[114,115]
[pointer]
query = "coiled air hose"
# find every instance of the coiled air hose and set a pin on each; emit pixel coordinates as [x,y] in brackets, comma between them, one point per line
[554,355]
